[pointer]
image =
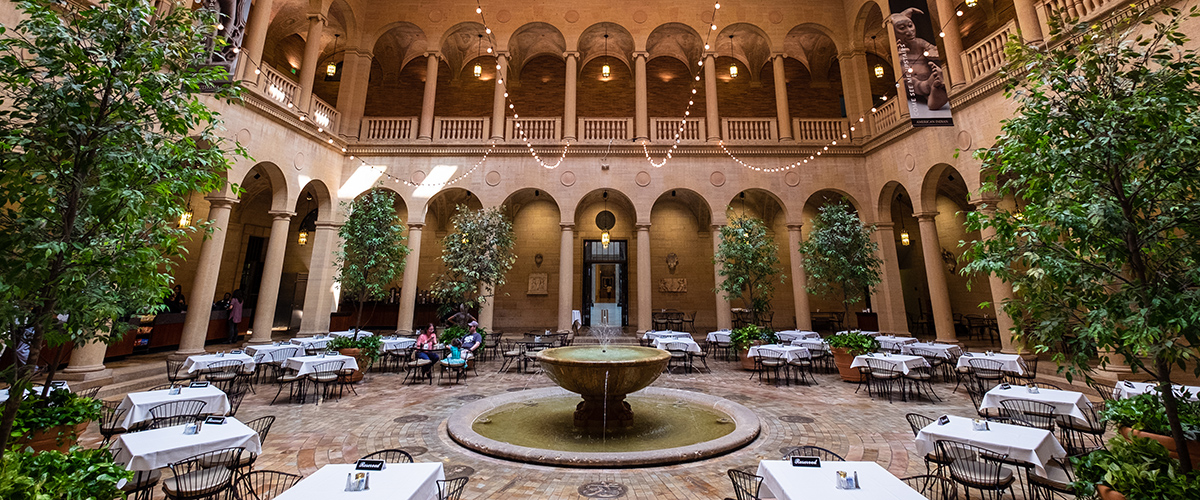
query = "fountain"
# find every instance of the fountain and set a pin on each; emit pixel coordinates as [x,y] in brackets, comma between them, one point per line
[620,421]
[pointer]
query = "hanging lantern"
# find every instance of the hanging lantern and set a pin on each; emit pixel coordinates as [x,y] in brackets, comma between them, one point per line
[303,239]
[878,71]
[185,219]
[605,220]
[605,71]
[904,238]
[971,3]
[478,71]
[733,71]
[604,239]
[331,69]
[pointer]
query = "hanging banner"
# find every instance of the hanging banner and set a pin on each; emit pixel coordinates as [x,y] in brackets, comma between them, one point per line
[922,73]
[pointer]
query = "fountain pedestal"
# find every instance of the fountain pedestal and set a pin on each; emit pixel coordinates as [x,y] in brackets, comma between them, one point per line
[600,414]
[603,376]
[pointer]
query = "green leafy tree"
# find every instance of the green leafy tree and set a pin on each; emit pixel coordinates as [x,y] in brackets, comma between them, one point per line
[839,255]
[477,255]
[1103,158]
[373,253]
[749,262]
[103,130]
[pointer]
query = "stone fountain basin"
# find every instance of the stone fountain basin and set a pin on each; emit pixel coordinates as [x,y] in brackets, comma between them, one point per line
[598,371]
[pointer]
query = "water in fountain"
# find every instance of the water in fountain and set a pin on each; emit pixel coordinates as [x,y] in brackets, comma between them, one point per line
[604,335]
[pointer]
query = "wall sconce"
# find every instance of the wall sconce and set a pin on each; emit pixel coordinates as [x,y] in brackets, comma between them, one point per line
[303,239]
[733,71]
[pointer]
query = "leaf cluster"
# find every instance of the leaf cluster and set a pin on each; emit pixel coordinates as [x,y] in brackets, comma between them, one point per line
[58,408]
[749,263]
[369,345]
[1139,467]
[854,342]
[1145,412]
[741,338]
[477,254]
[81,474]
[839,255]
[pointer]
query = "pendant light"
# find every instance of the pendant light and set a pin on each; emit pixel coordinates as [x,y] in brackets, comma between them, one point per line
[478,70]
[185,219]
[605,71]
[878,67]
[605,221]
[331,69]
[733,69]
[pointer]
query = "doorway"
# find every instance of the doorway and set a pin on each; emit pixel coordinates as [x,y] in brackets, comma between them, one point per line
[605,284]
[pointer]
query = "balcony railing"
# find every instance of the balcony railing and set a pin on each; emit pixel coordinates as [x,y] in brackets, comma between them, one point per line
[749,129]
[886,116]
[324,115]
[663,130]
[818,130]
[987,56]
[387,128]
[275,85]
[461,129]
[536,129]
[606,129]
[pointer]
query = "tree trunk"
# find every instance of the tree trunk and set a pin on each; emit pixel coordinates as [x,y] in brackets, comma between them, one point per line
[50,371]
[23,374]
[1172,409]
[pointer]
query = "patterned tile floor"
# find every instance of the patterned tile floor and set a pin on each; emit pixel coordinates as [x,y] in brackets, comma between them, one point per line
[389,414]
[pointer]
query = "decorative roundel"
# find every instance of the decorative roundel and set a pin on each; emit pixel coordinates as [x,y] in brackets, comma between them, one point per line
[605,220]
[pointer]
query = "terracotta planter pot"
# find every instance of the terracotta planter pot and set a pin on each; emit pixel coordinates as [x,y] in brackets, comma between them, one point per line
[363,362]
[1107,493]
[1193,447]
[746,360]
[843,359]
[59,438]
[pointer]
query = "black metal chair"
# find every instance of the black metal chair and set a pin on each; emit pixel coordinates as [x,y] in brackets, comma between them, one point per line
[223,373]
[1028,413]
[236,393]
[917,421]
[263,484]
[919,377]
[510,352]
[745,484]
[689,322]
[177,374]
[261,426]
[812,451]
[679,356]
[391,456]
[722,346]
[1055,484]
[171,421]
[207,475]
[1081,437]
[290,379]
[1029,374]
[933,487]
[770,361]
[976,391]
[803,368]
[111,416]
[1107,392]
[325,374]
[882,376]
[188,407]
[702,355]
[978,468]
[452,489]
[90,392]
[986,370]
[141,485]
[937,363]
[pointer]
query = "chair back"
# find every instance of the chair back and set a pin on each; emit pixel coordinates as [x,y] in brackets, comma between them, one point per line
[1105,391]
[812,451]
[1029,413]
[721,338]
[172,421]
[917,422]
[675,346]
[971,465]
[327,369]
[111,415]
[933,487]
[452,489]
[190,407]
[262,426]
[745,484]
[392,456]
[90,392]
[264,484]
[190,483]
[1043,385]
[988,369]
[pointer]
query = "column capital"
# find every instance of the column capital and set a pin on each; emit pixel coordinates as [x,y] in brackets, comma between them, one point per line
[416,225]
[641,53]
[360,52]
[712,54]
[794,227]
[328,225]
[434,54]
[778,55]
[924,216]
[851,54]
[281,214]
[991,201]
[642,227]
[221,201]
[885,225]
[717,227]
[501,53]
[572,53]
[566,227]
[317,16]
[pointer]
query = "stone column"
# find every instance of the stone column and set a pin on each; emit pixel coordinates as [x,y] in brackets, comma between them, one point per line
[783,116]
[498,106]
[644,323]
[1001,292]
[710,97]
[426,125]
[308,66]
[952,42]
[318,299]
[889,294]
[87,363]
[641,120]
[1028,22]
[487,310]
[724,314]
[569,118]
[935,273]
[204,285]
[856,86]
[268,292]
[408,284]
[799,279]
[897,69]
[566,276]
[255,39]
[352,93]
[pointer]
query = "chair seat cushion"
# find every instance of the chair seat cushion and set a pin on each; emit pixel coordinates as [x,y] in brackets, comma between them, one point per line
[885,375]
[1056,478]
[984,475]
[221,376]
[914,375]
[323,377]
[142,479]
[289,377]
[205,482]
[419,362]
[773,362]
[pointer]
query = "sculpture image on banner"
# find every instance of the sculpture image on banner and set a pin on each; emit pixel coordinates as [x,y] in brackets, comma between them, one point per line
[922,77]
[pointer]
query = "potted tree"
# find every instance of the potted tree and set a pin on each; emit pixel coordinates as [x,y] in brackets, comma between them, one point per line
[478,255]
[839,257]
[1139,466]
[96,217]
[1145,416]
[750,335]
[844,347]
[373,253]
[748,260]
[1102,248]
[364,349]
[53,422]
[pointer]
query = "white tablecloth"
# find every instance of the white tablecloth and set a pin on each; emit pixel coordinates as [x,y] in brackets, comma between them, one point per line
[718,336]
[790,335]
[396,482]
[811,344]
[1035,446]
[789,352]
[943,350]
[1010,362]
[667,334]
[890,342]
[264,352]
[899,362]
[691,345]
[202,361]
[307,364]
[37,389]
[1128,389]
[137,405]
[864,332]
[397,343]
[312,342]
[154,449]
[348,333]
[1064,402]
[787,482]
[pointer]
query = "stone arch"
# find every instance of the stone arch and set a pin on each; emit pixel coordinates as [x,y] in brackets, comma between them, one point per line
[323,199]
[825,195]
[887,194]
[533,40]
[442,204]
[396,45]
[515,200]
[398,201]
[277,182]
[620,44]
[746,43]
[696,204]
[465,42]
[813,46]
[757,197]
[945,179]
[678,41]
[616,198]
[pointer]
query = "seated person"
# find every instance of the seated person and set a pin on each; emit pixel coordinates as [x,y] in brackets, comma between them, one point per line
[428,340]
[472,341]
[456,353]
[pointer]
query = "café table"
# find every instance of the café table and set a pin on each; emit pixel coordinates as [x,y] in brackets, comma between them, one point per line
[789,352]
[137,405]
[787,482]
[864,332]
[201,362]
[811,344]
[351,333]
[304,365]
[264,352]
[1127,389]
[1010,362]
[718,336]
[156,448]
[414,481]
[1064,402]
[312,342]
[943,350]
[393,343]
[900,362]
[666,334]
[689,344]
[892,342]
[1028,444]
[786,336]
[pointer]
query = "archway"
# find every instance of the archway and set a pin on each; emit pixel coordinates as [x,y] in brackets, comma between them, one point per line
[768,207]
[681,250]
[607,272]
[530,298]
[828,311]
